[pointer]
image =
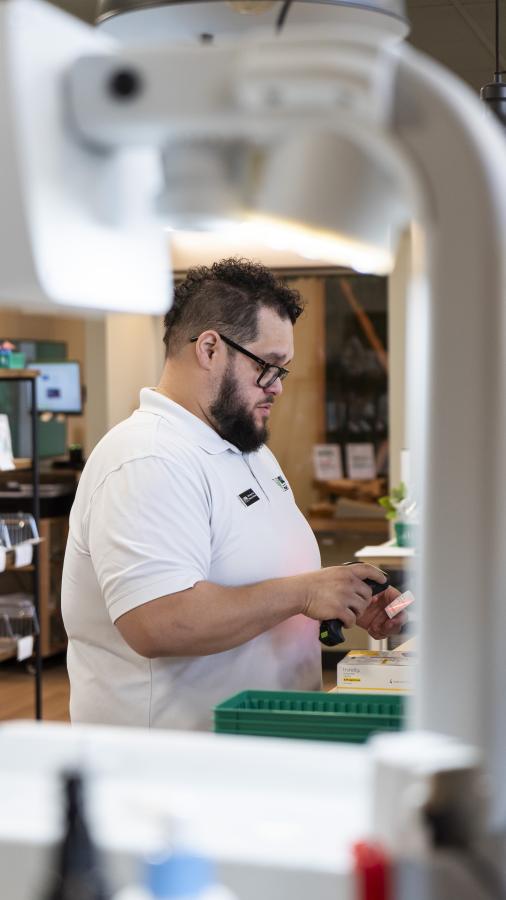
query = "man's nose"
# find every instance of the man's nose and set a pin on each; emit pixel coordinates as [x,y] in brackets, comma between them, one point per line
[275,388]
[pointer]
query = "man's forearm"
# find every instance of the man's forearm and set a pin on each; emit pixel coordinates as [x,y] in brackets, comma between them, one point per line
[210,618]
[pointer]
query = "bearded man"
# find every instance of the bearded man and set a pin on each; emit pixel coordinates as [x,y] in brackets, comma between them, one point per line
[190,573]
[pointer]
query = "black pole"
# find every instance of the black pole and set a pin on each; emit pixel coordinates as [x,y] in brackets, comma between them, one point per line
[36,515]
[497,74]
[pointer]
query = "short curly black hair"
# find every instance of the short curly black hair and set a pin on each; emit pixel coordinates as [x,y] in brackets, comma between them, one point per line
[226,297]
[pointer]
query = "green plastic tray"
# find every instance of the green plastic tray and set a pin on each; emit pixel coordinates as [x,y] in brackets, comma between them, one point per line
[311,715]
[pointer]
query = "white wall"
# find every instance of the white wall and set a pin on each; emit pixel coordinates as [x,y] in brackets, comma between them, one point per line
[123,354]
[96,383]
[397,288]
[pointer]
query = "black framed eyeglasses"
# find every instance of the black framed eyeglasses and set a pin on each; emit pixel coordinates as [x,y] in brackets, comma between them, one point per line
[269,372]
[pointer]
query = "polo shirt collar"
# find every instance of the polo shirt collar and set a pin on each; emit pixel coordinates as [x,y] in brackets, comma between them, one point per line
[194,428]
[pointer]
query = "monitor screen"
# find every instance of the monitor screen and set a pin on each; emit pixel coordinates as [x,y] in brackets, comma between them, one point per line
[58,387]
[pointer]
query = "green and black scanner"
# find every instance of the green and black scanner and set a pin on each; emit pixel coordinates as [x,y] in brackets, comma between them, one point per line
[331,632]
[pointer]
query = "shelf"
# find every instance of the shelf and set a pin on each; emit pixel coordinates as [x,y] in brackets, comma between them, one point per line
[386,556]
[368,490]
[8,649]
[18,374]
[357,524]
[22,464]
[15,376]
[9,562]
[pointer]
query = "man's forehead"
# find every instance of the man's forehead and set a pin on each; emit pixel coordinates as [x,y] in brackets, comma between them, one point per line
[274,336]
[274,351]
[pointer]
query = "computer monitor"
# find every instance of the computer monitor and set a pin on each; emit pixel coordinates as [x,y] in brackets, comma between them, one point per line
[58,388]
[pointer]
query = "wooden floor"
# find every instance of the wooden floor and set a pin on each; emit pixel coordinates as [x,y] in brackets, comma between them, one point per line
[17,691]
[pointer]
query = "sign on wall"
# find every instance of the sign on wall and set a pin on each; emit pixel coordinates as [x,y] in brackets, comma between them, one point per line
[360,461]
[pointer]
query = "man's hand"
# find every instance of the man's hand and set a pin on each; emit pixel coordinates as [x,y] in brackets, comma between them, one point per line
[375,620]
[339,592]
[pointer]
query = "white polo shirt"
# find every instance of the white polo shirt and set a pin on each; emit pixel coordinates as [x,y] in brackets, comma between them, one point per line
[165,502]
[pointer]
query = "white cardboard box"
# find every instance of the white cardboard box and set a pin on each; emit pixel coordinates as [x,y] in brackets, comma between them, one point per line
[376,671]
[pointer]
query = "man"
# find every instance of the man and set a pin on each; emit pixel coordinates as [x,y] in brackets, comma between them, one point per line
[190,574]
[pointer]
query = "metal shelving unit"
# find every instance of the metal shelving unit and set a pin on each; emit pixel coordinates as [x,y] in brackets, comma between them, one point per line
[29,376]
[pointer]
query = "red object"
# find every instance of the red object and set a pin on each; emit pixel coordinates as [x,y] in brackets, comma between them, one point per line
[372,872]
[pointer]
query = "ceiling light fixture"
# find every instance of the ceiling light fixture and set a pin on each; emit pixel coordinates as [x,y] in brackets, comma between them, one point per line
[138,21]
[494,93]
[274,207]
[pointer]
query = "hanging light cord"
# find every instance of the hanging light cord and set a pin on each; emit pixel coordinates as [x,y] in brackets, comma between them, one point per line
[282,15]
[498,72]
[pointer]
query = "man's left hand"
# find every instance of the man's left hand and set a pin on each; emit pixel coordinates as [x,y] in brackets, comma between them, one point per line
[375,620]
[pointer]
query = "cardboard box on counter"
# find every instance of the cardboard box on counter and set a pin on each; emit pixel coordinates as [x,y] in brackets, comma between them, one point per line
[376,671]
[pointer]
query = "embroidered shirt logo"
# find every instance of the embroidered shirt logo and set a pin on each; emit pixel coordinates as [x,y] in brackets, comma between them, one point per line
[248,497]
[280,481]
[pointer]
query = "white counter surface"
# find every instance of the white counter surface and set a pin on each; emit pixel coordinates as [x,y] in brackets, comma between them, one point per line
[294,805]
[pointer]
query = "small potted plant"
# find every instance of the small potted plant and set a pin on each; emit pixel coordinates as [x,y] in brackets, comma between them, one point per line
[399,509]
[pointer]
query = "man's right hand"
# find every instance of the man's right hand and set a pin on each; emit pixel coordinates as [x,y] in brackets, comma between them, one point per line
[339,592]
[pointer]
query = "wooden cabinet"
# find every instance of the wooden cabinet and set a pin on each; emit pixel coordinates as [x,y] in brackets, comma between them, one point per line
[54,531]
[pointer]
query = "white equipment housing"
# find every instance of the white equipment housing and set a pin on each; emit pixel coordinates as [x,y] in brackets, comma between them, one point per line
[77,230]
[65,190]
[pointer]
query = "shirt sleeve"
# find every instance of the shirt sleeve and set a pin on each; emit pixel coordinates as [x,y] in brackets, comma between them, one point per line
[148,531]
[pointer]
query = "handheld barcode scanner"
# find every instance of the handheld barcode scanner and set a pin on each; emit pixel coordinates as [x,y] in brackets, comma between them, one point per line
[331,632]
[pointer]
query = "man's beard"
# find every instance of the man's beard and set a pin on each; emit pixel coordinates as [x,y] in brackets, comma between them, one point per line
[235,423]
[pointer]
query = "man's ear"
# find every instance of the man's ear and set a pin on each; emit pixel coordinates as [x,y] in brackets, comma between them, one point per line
[207,347]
